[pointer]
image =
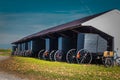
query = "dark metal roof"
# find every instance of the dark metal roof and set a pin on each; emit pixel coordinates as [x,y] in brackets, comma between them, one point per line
[66,26]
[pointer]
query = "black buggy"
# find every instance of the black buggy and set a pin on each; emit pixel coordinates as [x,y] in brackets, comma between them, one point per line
[90,48]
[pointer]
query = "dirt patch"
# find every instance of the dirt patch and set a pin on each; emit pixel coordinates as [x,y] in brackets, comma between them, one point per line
[7,76]
[1,52]
[4,75]
[3,58]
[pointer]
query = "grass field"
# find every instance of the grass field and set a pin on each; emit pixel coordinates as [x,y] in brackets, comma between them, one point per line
[5,52]
[36,69]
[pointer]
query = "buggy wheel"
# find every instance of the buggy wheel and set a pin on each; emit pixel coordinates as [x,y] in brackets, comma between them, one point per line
[24,53]
[58,55]
[16,53]
[51,56]
[108,62]
[41,53]
[28,53]
[20,53]
[70,56]
[117,61]
[84,56]
[45,55]
[103,60]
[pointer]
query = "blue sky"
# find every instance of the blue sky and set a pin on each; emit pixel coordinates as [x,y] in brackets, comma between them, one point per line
[19,18]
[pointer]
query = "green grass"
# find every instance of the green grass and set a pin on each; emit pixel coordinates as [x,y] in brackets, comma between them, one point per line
[46,70]
[5,52]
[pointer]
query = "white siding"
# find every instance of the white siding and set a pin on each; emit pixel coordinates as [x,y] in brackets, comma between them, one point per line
[108,23]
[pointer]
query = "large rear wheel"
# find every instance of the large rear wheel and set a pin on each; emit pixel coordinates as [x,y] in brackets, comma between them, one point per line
[71,56]
[51,56]
[40,54]
[46,55]
[28,53]
[84,57]
[58,55]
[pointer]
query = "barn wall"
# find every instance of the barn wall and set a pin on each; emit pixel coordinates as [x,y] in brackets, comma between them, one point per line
[30,45]
[47,44]
[19,47]
[66,44]
[51,44]
[42,44]
[23,46]
[108,23]
[14,47]
[37,45]
[54,44]
[26,45]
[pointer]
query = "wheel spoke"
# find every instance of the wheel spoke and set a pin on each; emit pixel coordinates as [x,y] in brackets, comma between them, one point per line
[108,62]
[40,54]
[58,55]
[45,55]
[70,56]
[85,56]
[51,56]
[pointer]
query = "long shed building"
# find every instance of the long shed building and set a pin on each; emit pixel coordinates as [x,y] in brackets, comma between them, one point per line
[65,36]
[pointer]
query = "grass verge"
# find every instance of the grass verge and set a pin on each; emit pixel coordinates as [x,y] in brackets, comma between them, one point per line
[36,69]
[5,52]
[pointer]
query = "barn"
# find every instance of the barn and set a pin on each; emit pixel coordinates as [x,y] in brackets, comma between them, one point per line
[96,33]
